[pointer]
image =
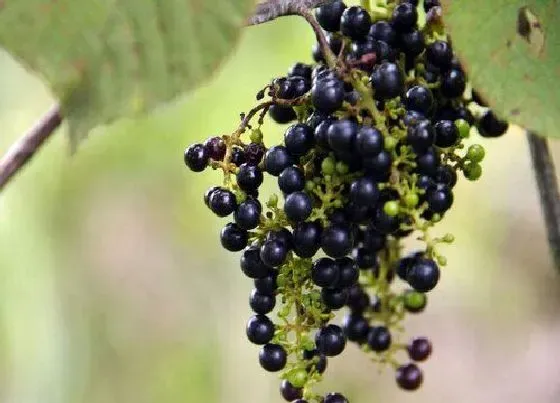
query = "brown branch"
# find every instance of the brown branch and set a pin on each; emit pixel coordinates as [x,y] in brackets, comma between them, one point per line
[23,150]
[545,175]
[269,10]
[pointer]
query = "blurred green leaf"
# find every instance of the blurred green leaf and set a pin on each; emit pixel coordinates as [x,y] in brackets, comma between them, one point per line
[511,50]
[110,58]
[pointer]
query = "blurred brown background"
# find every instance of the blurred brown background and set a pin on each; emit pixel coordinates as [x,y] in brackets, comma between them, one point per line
[114,288]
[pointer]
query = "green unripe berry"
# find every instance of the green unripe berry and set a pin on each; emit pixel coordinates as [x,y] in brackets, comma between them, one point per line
[341,168]
[297,377]
[328,166]
[464,128]
[475,153]
[337,203]
[411,200]
[309,186]
[256,136]
[449,238]
[414,300]
[472,171]
[391,208]
[390,143]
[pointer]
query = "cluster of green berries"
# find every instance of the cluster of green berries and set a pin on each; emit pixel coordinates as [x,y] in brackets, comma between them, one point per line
[376,140]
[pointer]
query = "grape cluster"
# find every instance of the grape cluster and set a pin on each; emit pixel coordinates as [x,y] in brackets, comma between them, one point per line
[377,137]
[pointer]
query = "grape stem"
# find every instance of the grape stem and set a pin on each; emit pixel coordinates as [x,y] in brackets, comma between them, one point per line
[545,175]
[21,152]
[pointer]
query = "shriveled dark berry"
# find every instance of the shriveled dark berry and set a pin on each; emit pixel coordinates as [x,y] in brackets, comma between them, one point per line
[215,148]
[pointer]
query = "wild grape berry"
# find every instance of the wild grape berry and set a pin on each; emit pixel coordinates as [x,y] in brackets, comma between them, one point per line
[423,275]
[267,285]
[289,392]
[277,159]
[283,235]
[291,180]
[363,191]
[307,238]
[491,126]
[237,156]
[325,272]
[409,377]
[298,206]
[273,253]
[453,83]
[196,157]
[233,237]
[273,357]
[369,141]
[355,22]
[282,114]
[421,136]
[439,54]
[260,329]
[413,43]
[334,298]
[327,95]
[355,327]
[249,177]
[261,303]
[419,349]
[383,31]
[335,398]
[447,133]
[252,265]
[420,99]
[439,198]
[387,80]
[365,258]
[404,17]
[379,165]
[341,135]
[446,175]
[298,139]
[427,162]
[379,338]
[348,272]
[337,241]
[248,214]
[222,202]
[328,15]
[330,340]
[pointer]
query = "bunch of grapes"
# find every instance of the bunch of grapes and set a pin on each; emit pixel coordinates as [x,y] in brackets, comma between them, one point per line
[376,141]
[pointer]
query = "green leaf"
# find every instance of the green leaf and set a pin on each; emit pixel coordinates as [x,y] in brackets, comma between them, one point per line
[105,59]
[511,49]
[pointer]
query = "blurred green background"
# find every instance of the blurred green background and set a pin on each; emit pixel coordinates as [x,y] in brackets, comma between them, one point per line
[113,286]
